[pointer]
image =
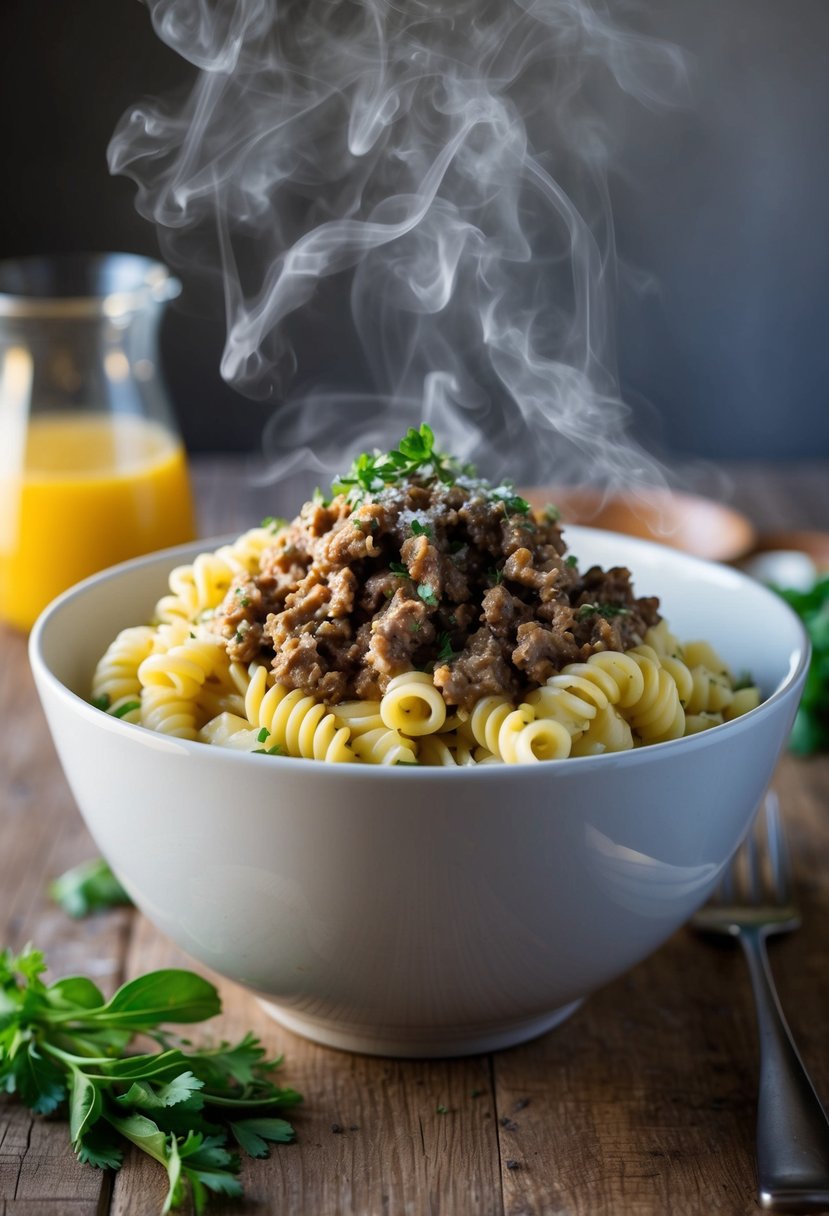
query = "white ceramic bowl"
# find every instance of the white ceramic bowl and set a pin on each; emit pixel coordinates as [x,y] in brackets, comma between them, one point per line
[423,912]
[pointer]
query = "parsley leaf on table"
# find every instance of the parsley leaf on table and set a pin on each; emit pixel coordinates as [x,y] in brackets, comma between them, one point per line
[88,887]
[64,1045]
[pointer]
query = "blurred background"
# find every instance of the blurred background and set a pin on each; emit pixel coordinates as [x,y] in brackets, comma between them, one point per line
[721,210]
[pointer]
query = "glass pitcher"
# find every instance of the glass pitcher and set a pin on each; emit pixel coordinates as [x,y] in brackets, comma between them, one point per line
[92,467]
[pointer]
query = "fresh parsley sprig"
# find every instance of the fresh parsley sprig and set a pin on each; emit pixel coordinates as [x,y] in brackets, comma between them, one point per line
[372,472]
[63,1045]
[416,456]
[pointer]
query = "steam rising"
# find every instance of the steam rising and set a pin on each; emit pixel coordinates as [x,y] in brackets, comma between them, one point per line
[426,181]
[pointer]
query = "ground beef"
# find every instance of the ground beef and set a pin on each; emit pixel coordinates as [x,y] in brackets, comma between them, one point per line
[459,580]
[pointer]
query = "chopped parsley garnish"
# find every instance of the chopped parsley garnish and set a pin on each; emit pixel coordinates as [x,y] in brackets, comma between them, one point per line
[495,576]
[273,523]
[399,569]
[515,505]
[605,610]
[419,529]
[551,513]
[372,524]
[263,734]
[104,702]
[571,561]
[445,650]
[427,595]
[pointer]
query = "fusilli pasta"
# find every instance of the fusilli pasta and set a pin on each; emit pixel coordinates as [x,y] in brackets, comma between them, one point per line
[175,676]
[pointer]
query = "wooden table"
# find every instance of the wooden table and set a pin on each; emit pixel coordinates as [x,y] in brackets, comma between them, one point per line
[642,1104]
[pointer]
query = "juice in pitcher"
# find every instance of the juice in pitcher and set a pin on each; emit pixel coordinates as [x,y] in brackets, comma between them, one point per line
[92,466]
[93,489]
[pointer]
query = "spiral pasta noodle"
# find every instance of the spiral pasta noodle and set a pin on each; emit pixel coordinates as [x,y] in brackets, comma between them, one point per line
[184,668]
[170,713]
[198,588]
[516,735]
[570,700]
[358,716]
[436,752]
[115,683]
[581,699]
[412,705]
[657,715]
[618,675]
[297,724]
[608,732]
[384,746]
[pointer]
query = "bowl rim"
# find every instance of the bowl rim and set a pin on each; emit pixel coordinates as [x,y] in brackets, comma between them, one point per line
[631,758]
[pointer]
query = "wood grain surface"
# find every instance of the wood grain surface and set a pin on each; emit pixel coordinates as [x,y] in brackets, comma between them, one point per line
[642,1104]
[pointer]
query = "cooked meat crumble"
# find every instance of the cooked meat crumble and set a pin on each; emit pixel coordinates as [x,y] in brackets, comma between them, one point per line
[456,579]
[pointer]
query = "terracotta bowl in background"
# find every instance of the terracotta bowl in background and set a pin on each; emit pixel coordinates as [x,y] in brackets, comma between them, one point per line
[695,525]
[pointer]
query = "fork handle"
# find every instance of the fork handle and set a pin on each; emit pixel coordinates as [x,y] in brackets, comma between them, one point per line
[792,1127]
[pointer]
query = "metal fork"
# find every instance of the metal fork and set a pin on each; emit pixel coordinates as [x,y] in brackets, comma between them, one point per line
[753,902]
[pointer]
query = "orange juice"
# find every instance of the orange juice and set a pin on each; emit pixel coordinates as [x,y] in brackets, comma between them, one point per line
[93,490]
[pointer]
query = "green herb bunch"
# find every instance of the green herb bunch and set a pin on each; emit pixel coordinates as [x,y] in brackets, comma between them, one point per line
[811,727]
[63,1045]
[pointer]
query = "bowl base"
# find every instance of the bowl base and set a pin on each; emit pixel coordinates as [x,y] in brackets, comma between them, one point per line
[417,1042]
